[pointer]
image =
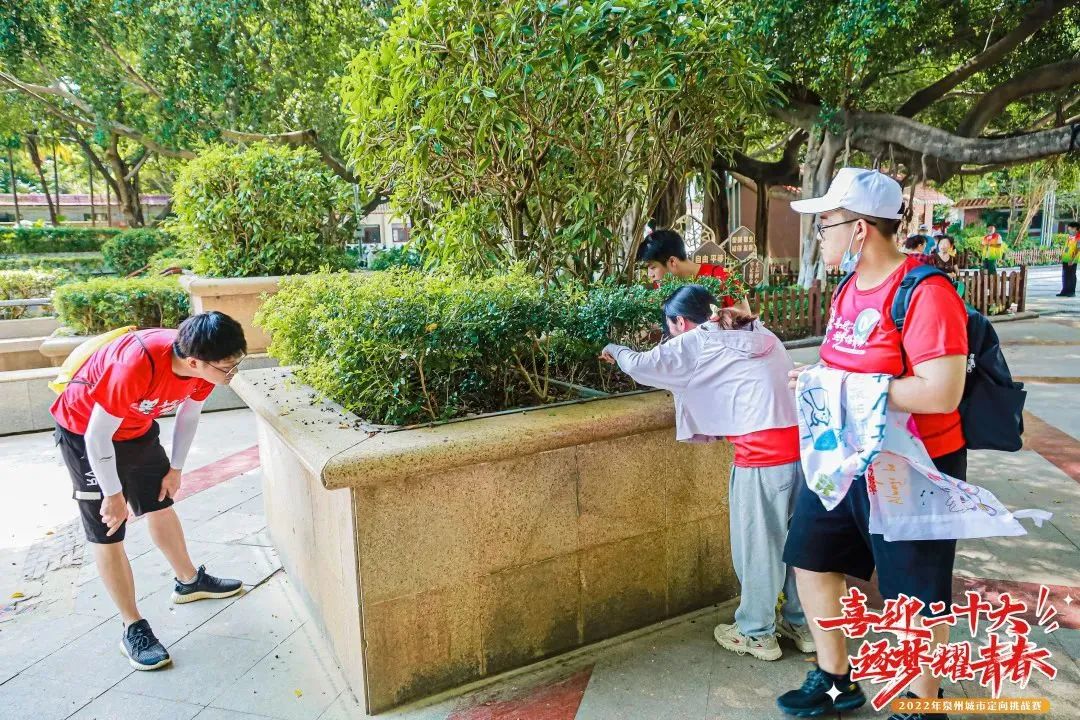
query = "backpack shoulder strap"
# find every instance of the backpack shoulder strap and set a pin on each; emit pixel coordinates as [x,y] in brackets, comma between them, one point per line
[840,285]
[902,299]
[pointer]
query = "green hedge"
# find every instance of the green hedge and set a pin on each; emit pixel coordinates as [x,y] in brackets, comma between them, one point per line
[404,346]
[131,250]
[396,257]
[95,306]
[16,241]
[25,284]
[263,209]
[90,263]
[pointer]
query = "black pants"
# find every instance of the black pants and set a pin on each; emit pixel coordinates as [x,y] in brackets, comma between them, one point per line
[1068,279]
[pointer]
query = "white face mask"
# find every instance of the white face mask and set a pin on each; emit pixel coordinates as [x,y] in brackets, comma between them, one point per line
[851,260]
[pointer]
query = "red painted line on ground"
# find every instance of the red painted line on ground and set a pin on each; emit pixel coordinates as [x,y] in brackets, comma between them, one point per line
[218,472]
[1060,448]
[991,590]
[556,701]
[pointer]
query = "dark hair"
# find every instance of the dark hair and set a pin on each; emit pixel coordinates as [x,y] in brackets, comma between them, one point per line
[914,241]
[1073,224]
[210,336]
[947,237]
[692,302]
[660,246]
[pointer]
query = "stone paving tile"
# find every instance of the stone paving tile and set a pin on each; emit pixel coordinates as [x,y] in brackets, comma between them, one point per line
[211,713]
[252,564]
[26,640]
[93,661]
[254,506]
[260,538]
[29,696]
[203,665]
[271,611]
[296,681]
[171,622]
[115,705]
[228,527]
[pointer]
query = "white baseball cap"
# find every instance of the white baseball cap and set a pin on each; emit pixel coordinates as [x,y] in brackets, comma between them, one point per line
[862,191]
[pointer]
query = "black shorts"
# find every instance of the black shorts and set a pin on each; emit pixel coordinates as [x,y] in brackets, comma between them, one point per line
[839,540]
[141,464]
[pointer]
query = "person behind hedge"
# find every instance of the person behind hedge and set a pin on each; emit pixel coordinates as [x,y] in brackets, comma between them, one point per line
[944,258]
[857,220]
[729,377]
[1069,256]
[992,247]
[664,252]
[109,439]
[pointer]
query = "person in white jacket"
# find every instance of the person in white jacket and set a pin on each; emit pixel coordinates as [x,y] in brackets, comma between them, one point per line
[728,375]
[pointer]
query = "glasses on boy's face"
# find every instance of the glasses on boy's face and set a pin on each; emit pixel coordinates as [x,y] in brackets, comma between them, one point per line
[229,372]
[819,229]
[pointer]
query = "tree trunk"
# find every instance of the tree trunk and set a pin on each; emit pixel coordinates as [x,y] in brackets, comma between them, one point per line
[761,225]
[126,189]
[817,172]
[672,204]
[90,175]
[55,176]
[715,212]
[35,158]
[14,185]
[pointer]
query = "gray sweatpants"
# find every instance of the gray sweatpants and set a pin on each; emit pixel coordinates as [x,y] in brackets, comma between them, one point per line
[762,501]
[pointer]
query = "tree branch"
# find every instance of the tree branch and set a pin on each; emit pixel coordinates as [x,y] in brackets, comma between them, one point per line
[125,65]
[1040,15]
[1041,79]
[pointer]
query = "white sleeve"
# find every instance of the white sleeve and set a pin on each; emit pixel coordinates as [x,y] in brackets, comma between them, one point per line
[187,422]
[100,452]
[668,366]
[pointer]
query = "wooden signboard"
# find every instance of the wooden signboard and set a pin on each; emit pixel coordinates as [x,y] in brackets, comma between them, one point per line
[711,253]
[753,272]
[742,244]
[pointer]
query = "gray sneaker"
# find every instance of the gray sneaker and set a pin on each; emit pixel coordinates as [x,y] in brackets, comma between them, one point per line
[763,648]
[800,634]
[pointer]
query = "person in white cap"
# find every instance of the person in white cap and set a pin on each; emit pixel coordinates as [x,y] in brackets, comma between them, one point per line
[857,221]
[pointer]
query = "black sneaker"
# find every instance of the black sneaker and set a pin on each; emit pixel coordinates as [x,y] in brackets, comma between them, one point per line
[920,716]
[144,651]
[204,586]
[813,698]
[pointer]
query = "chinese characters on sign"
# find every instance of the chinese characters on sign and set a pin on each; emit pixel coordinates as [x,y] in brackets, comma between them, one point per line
[742,244]
[1004,655]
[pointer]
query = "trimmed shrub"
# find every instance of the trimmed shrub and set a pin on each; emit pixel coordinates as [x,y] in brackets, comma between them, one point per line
[89,263]
[171,257]
[95,306]
[396,257]
[26,284]
[261,210]
[16,241]
[131,250]
[405,346]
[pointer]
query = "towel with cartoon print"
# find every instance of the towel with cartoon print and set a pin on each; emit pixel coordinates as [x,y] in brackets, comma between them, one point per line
[847,430]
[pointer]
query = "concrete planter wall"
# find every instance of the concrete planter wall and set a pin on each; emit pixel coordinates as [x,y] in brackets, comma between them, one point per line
[20,343]
[436,556]
[239,298]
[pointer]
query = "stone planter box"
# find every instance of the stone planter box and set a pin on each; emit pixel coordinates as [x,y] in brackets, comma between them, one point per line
[239,298]
[20,343]
[436,556]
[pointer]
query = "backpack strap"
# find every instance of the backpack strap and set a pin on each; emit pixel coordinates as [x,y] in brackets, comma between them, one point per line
[840,286]
[902,299]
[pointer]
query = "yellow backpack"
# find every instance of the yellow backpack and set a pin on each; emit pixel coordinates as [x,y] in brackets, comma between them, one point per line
[81,354]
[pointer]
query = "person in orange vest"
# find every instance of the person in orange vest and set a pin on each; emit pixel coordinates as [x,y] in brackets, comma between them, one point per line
[993,248]
[1068,260]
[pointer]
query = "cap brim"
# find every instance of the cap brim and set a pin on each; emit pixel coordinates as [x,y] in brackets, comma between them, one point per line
[813,206]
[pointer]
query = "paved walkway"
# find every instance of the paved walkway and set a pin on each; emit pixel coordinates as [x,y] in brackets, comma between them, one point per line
[258,655]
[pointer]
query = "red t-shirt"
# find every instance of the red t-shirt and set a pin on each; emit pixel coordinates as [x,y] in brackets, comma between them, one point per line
[720,273]
[766,448]
[861,337]
[122,379]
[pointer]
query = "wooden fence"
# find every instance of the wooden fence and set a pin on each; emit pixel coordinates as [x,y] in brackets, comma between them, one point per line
[1016,258]
[796,312]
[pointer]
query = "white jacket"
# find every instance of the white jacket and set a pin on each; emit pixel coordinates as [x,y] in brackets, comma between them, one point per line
[725,382]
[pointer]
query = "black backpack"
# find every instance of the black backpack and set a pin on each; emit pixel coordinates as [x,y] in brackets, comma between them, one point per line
[992,407]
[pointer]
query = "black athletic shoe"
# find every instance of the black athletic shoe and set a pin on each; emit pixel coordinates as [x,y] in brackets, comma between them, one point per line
[204,586]
[920,716]
[144,651]
[813,698]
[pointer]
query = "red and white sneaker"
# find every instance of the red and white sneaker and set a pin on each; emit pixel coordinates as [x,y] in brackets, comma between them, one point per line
[763,648]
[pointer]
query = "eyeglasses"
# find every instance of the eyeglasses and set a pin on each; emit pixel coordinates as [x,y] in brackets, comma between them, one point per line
[229,373]
[819,229]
